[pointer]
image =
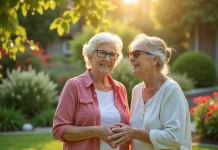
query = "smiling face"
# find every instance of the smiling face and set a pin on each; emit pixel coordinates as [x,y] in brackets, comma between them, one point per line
[143,63]
[103,65]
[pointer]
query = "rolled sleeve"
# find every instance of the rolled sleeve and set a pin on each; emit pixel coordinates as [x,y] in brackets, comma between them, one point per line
[58,132]
[65,112]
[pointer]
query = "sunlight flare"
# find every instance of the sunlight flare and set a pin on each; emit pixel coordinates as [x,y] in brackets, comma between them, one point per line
[130,1]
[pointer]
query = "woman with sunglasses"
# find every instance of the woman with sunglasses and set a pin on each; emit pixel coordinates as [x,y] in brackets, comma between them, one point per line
[91,103]
[159,112]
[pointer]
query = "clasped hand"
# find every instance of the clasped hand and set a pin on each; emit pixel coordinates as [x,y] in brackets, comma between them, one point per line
[122,133]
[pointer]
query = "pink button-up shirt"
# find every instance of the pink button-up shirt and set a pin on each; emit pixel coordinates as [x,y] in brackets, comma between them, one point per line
[78,106]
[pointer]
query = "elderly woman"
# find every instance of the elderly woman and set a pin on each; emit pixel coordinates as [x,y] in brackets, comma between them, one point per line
[90,103]
[159,112]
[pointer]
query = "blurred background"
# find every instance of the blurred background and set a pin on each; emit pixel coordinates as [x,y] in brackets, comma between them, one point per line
[50,50]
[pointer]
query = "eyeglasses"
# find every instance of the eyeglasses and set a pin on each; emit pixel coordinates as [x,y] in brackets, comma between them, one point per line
[103,54]
[136,53]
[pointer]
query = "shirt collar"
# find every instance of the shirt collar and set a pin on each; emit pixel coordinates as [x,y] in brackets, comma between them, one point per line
[89,81]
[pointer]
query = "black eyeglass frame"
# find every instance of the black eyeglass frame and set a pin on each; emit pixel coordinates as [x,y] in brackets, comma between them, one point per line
[106,53]
[136,53]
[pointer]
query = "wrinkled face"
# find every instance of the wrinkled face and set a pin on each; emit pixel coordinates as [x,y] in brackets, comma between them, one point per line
[140,59]
[104,58]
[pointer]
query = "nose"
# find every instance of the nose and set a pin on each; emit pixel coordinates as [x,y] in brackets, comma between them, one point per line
[131,58]
[107,57]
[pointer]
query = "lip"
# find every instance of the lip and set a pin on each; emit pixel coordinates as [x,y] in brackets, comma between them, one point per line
[104,65]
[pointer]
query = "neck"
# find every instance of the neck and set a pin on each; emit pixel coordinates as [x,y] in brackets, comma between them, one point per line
[101,81]
[154,80]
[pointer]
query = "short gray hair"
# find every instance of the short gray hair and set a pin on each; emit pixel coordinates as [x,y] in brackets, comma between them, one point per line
[102,37]
[156,47]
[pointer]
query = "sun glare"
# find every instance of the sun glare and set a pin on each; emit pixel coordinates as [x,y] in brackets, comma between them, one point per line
[130,1]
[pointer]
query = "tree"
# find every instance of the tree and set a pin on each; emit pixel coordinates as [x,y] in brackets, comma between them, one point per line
[37,26]
[178,16]
[13,36]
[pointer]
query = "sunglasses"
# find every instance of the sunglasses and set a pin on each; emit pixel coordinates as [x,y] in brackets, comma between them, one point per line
[136,53]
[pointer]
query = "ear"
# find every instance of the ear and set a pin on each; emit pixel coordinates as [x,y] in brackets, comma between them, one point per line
[90,58]
[155,60]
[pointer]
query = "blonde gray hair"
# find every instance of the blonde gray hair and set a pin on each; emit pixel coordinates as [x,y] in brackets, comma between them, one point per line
[156,47]
[102,37]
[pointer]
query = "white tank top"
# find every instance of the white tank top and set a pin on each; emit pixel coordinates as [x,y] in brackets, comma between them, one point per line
[109,113]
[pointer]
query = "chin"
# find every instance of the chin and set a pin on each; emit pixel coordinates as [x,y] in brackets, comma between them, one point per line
[106,71]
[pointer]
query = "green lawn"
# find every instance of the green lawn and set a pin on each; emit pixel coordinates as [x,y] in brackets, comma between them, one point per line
[42,142]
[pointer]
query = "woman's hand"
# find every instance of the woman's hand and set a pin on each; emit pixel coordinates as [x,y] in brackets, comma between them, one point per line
[124,133]
[104,132]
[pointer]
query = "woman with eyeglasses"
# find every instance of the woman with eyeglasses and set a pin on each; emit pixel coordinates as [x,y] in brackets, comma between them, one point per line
[159,112]
[91,103]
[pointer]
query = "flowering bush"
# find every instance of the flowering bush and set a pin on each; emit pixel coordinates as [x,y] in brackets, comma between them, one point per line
[205,115]
[36,58]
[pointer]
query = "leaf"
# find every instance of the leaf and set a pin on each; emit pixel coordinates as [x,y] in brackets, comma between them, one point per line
[13,56]
[55,24]
[34,47]
[21,31]
[14,50]
[52,5]
[66,26]
[76,17]
[18,40]
[46,5]
[40,10]
[60,30]
[24,9]
[21,48]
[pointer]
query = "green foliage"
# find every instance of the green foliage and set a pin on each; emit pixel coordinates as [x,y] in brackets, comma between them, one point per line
[44,118]
[185,14]
[175,21]
[10,119]
[205,115]
[27,91]
[63,69]
[197,66]
[36,58]
[184,81]
[37,26]
[76,44]
[13,35]
[123,73]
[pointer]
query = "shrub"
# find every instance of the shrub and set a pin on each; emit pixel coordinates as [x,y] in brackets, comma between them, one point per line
[63,69]
[36,58]
[123,73]
[44,118]
[198,66]
[183,80]
[205,115]
[27,91]
[11,119]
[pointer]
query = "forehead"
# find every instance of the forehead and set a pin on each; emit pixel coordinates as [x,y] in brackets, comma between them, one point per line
[140,45]
[109,47]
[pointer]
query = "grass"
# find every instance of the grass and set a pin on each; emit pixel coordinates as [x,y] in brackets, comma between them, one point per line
[43,142]
[29,142]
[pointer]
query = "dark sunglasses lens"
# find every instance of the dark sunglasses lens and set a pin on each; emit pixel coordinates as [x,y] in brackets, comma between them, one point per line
[136,54]
[129,54]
